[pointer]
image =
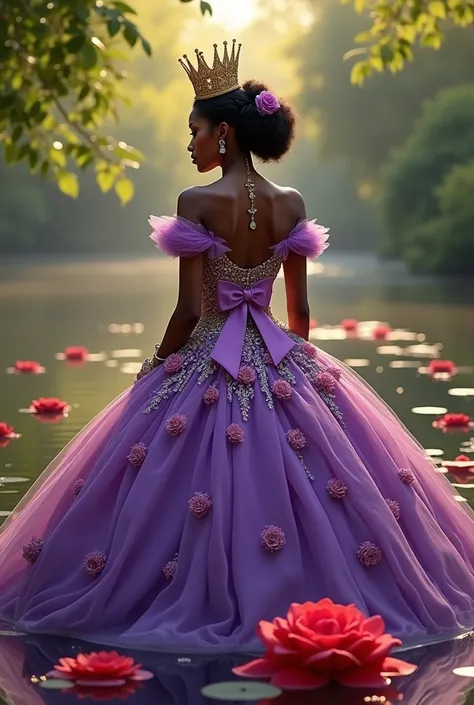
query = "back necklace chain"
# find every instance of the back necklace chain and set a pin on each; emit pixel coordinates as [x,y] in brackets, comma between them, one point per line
[250,186]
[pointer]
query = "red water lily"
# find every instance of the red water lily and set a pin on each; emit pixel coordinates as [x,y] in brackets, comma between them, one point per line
[28,367]
[442,366]
[76,353]
[104,669]
[6,431]
[49,405]
[458,422]
[381,331]
[323,642]
[461,468]
[350,324]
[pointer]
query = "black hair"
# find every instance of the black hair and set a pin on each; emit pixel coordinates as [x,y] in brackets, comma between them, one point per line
[268,137]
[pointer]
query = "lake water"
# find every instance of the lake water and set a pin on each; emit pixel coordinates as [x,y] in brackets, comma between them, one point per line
[118,310]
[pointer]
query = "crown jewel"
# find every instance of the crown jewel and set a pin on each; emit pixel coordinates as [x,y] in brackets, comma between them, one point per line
[222,78]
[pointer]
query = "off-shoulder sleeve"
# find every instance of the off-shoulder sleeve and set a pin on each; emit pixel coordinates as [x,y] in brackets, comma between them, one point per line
[180,237]
[307,239]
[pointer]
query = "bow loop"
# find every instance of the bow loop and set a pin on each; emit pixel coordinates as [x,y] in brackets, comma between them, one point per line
[239,301]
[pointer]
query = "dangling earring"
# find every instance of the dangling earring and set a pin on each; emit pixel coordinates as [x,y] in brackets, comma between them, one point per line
[222,149]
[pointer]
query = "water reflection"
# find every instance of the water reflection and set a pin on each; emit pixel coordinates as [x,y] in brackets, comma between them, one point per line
[180,680]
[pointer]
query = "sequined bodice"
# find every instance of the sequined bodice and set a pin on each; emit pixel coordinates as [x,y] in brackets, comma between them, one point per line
[222,268]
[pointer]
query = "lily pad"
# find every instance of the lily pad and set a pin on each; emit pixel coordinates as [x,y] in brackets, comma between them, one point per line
[56,684]
[240,691]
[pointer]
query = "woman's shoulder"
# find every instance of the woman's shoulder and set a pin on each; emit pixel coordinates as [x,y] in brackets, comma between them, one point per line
[183,235]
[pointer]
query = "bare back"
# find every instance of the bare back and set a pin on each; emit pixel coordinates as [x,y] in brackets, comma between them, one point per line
[224,211]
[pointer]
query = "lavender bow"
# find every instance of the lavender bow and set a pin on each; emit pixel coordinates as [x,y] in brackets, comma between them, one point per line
[239,301]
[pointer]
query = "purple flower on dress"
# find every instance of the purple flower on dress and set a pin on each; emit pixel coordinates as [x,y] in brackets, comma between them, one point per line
[94,563]
[394,507]
[272,538]
[234,433]
[406,476]
[247,375]
[369,554]
[173,363]
[309,350]
[296,439]
[77,486]
[211,395]
[171,567]
[335,372]
[32,550]
[137,455]
[325,382]
[282,389]
[200,504]
[336,488]
[176,424]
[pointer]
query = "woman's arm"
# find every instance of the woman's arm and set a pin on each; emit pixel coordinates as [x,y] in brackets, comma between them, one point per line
[188,308]
[294,268]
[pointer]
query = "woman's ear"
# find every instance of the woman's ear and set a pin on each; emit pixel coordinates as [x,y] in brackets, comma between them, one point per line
[223,130]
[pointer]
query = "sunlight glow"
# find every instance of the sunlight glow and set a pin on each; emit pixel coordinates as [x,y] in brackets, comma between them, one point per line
[234,14]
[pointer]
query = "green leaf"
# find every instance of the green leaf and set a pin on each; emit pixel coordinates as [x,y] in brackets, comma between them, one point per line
[125,190]
[84,92]
[57,156]
[126,152]
[113,26]
[437,9]
[17,133]
[105,180]
[33,156]
[7,99]
[123,7]
[360,71]
[44,168]
[146,47]
[130,35]
[75,44]
[205,7]
[88,56]
[68,183]
[10,152]
[17,81]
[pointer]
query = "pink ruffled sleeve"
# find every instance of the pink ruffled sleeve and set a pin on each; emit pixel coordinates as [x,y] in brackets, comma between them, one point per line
[307,239]
[180,237]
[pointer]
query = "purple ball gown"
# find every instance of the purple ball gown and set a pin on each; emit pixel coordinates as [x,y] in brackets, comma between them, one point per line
[249,471]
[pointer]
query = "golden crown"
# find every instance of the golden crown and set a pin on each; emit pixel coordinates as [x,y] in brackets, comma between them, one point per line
[222,78]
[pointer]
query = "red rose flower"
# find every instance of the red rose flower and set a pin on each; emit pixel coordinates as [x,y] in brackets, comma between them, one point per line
[439,366]
[6,431]
[104,668]
[350,324]
[323,642]
[28,367]
[49,405]
[381,331]
[460,422]
[76,353]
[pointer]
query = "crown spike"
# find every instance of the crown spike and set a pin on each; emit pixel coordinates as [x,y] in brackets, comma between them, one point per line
[222,78]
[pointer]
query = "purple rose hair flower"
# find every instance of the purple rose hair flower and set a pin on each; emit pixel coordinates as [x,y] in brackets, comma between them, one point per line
[282,389]
[94,563]
[173,363]
[394,507]
[266,103]
[335,372]
[211,395]
[176,424]
[171,567]
[336,488]
[137,455]
[272,538]
[296,439]
[369,554]
[309,350]
[406,476]
[78,485]
[200,504]
[234,433]
[247,375]
[325,382]
[32,550]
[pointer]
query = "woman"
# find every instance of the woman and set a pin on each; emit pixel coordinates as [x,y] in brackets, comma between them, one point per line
[245,469]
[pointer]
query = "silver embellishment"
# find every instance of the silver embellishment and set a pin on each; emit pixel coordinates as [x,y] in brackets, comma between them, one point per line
[249,185]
